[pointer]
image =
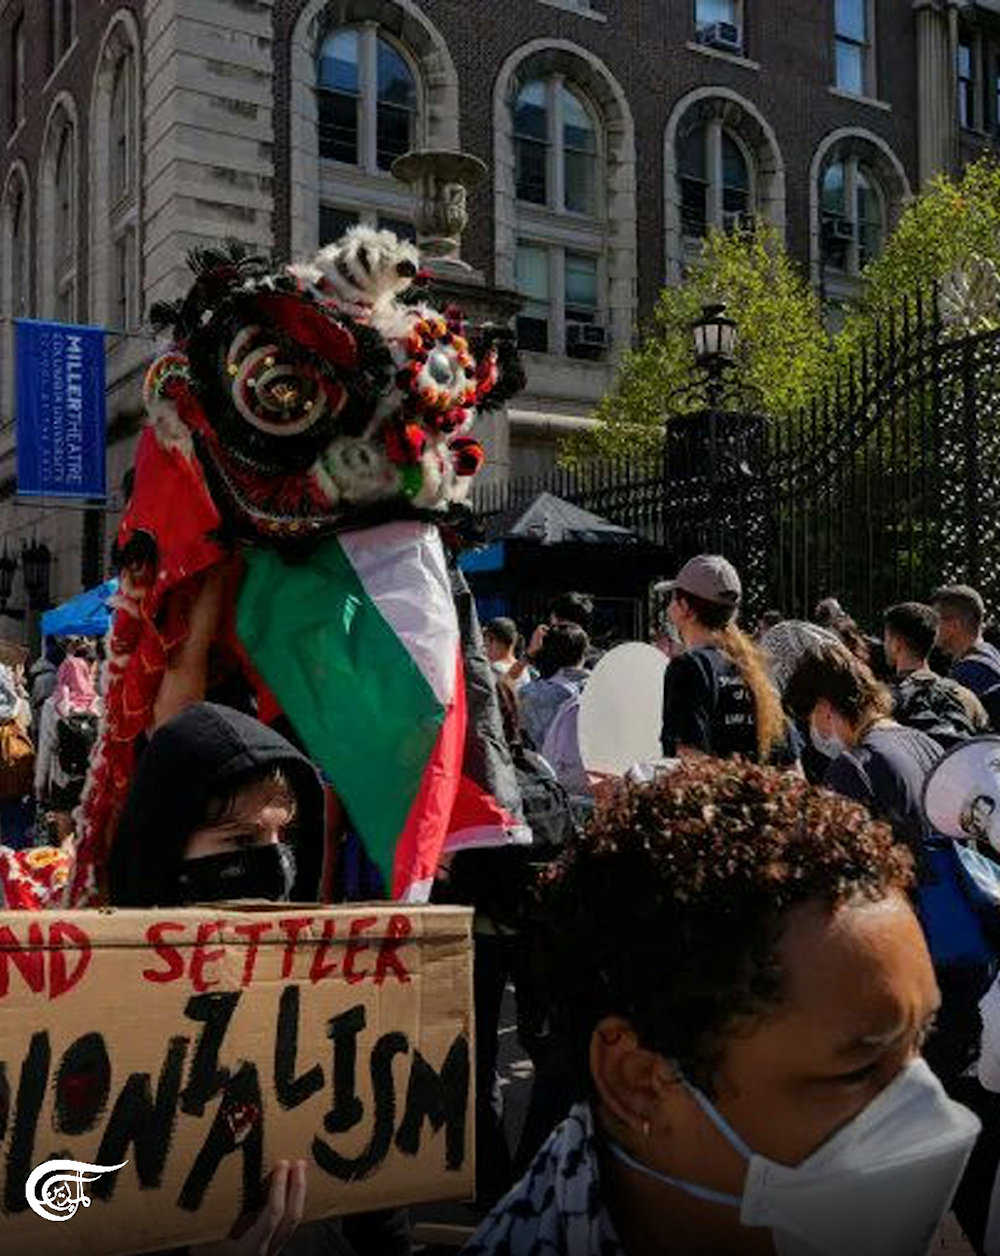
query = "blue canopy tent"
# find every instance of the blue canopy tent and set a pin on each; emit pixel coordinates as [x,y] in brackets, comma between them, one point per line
[86,615]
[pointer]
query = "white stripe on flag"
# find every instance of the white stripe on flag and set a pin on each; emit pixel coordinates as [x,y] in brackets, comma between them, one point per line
[402,568]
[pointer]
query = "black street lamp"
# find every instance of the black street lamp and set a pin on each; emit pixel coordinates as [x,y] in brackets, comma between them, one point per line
[715,339]
[8,566]
[36,560]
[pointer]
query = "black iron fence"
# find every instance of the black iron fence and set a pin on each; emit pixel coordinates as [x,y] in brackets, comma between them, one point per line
[884,488]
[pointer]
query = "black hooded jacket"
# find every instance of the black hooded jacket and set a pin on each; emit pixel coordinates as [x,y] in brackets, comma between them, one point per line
[205,751]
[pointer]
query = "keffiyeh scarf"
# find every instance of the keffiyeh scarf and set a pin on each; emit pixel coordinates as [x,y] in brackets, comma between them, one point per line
[556,1209]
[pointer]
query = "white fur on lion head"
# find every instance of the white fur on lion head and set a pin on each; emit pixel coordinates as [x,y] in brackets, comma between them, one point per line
[364,270]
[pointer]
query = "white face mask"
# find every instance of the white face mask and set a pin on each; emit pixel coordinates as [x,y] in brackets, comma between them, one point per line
[831,745]
[879,1187]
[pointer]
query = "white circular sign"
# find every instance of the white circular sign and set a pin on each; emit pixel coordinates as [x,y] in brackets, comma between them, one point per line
[621,711]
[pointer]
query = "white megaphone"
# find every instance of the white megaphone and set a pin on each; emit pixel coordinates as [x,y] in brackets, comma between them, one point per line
[962,792]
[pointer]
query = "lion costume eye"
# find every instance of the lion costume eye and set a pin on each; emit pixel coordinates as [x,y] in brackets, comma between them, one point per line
[277,397]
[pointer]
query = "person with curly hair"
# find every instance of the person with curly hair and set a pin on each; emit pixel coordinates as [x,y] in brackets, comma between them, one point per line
[744,990]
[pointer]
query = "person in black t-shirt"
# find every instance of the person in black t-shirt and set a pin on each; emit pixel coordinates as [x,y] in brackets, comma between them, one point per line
[874,760]
[717,696]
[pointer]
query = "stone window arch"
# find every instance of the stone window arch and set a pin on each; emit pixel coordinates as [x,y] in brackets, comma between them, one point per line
[565,217]
[115,211]
[391,78]
[857,190]
[722,167]
[59,211]
[15,275]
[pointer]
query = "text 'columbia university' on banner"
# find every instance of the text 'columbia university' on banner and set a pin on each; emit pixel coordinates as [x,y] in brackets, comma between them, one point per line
[60,410]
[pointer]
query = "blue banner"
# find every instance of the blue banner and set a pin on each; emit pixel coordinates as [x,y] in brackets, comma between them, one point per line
[61,424]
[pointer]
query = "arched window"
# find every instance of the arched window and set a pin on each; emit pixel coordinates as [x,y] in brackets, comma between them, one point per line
[723,169]
[15,280]
[715,181]
[560,264]
[65,176]
[370,81]
[20,293]
[555,147]
[58,213]
[115,287]
[121,134]
[367,99]
[853,216]
[858,189]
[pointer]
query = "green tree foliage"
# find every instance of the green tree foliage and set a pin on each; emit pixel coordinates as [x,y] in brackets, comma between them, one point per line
[950,225]
[783,351]
[785,354]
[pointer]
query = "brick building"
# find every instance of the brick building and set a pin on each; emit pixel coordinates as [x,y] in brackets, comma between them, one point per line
[616,131]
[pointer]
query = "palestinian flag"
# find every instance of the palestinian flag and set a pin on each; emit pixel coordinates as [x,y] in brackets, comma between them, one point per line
[360,645]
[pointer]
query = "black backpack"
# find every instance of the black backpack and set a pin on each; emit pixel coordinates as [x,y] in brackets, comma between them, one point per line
[76,736]
[503,881]
[932,706]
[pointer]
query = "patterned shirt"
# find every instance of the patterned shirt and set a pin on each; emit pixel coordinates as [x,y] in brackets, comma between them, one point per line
[556,1209]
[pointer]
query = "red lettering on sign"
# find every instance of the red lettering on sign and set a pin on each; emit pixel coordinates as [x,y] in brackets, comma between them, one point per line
[254,932]
[388,953]
[29,960]
[354,947]
[175,964]
[60,981]
[293,928]
[201,958]
[320,968]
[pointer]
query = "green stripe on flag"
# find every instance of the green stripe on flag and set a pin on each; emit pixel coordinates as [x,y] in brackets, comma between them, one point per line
[353,693]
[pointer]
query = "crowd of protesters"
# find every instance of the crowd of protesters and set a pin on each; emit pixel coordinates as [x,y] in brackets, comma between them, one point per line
[741,1039]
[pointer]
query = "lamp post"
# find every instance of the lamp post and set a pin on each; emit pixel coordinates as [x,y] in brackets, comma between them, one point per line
[36,560]
[715,338]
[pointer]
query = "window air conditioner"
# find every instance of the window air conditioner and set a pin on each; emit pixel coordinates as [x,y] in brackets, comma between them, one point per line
[586,335]
[723,35]
[733,220]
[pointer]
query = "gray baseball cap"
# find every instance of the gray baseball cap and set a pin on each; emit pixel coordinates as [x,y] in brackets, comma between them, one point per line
[710,577]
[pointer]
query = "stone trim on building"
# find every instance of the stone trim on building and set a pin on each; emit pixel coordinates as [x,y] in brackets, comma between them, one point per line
[208,133]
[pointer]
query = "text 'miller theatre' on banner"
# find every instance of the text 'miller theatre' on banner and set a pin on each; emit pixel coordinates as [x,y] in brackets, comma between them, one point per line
[60,411]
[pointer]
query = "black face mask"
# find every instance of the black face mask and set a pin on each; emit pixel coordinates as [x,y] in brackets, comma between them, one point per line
[256,872]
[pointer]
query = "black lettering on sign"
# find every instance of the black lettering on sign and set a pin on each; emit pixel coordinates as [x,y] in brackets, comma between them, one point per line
[238,1126]
[30,1095]
[4,1101]
[141,1122]
[83,1084]
[347,1108]
[442,1099]
[291,1091]
[384,1094]
[206,1078]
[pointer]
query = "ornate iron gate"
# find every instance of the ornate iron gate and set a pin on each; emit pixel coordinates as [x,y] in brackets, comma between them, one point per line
[884,488]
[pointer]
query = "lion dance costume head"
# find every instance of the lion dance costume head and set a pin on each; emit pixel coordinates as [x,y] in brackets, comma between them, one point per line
[293,404]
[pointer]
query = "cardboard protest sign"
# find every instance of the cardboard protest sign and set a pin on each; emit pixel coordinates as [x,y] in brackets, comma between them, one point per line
[194,1048]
